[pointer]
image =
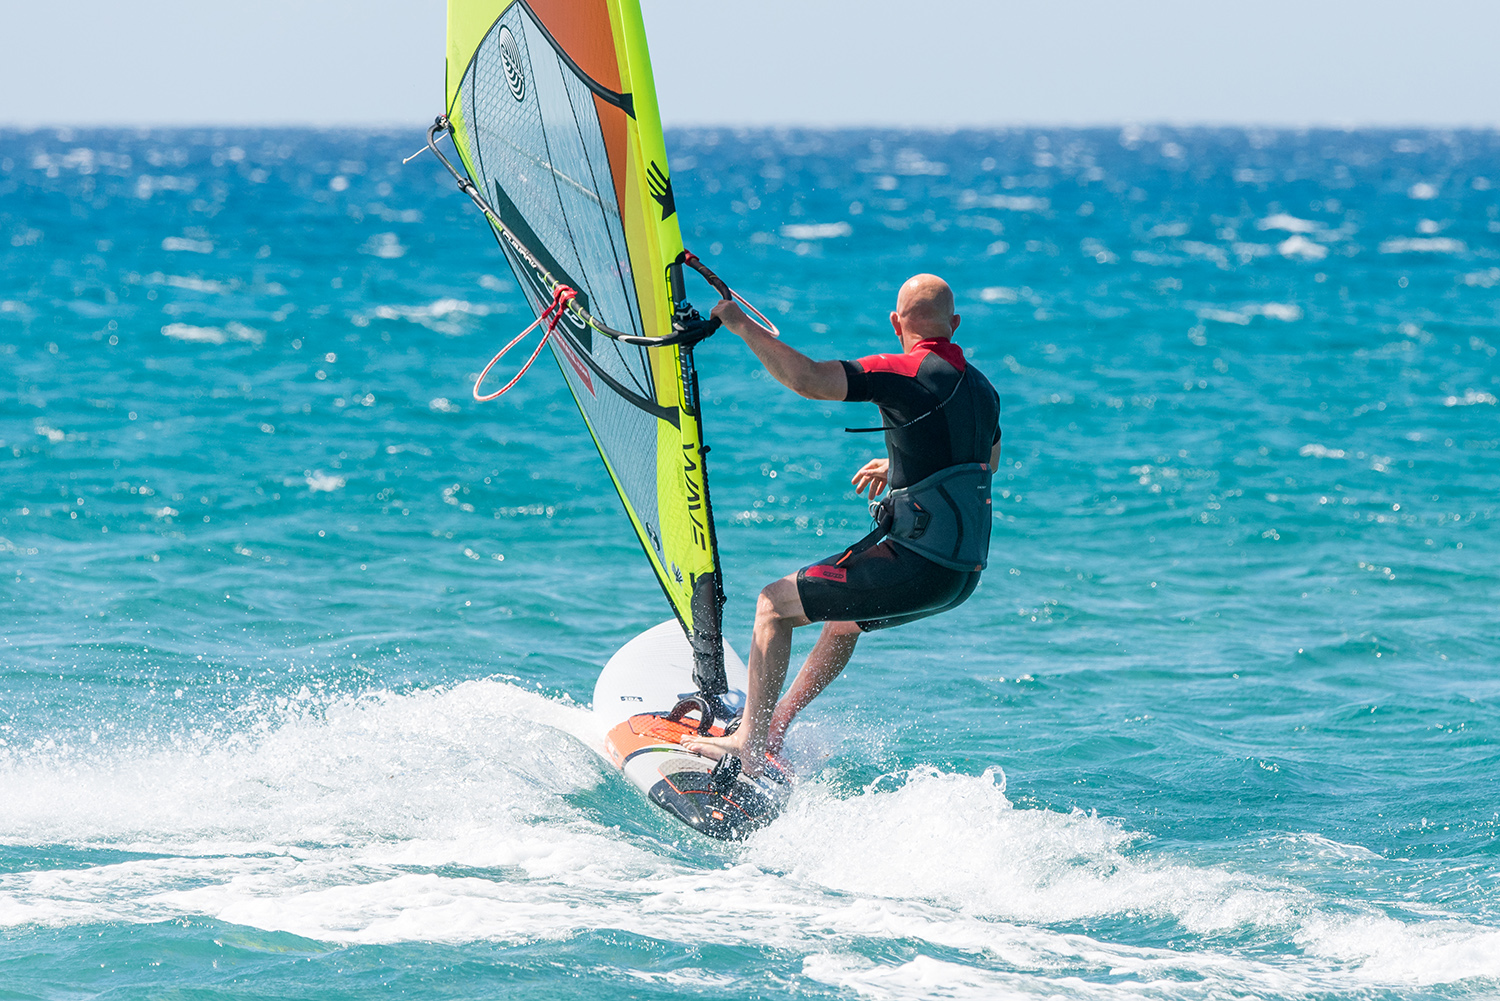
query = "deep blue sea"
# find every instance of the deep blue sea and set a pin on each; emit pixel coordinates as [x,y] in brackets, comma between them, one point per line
[297,641]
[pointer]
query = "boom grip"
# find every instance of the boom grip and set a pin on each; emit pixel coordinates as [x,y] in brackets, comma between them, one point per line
[725,292]
[691,260]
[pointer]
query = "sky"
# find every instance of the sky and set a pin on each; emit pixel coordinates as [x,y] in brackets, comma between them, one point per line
[940,63]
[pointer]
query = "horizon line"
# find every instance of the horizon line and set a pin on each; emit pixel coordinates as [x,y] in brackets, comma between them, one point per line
[1139,123]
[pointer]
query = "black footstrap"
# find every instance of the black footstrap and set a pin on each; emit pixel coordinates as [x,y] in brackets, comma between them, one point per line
[725,771]
[687,705]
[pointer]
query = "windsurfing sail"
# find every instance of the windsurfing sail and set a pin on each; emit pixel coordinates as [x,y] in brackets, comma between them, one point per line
[552,108]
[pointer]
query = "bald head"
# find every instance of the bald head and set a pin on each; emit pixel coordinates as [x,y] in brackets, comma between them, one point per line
[924,308]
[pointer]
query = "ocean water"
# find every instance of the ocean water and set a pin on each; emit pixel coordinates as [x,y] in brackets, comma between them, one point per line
[297,641]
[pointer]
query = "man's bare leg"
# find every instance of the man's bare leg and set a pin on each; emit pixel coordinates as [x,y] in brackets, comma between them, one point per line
[777,613]
[828,657]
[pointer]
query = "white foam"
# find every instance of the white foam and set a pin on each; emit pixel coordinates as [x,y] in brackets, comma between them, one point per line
[1316,451]
[1097,250]
[817,231]
[1287,312]
[956,841]
[213,335]
[183,243]
[1469,399]
[241,332]
[1301,248]
[1248,252]
[197,335]
[911,163]
[1224,316]
[321,482]
[1013,203]
[1423,245]
[341,819]
[1289,223]
[1155,260]
[147,185]
[1208,251]
[188,282]
[384,245]
[1384,950]
[299,770]
[446,316]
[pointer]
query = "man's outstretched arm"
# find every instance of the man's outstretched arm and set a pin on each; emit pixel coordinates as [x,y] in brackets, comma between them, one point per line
[816,380]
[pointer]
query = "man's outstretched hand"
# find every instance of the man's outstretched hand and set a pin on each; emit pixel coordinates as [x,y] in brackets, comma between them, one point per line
[874,474]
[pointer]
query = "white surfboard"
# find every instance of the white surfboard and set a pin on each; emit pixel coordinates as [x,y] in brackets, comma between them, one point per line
[654,671]
[634,698]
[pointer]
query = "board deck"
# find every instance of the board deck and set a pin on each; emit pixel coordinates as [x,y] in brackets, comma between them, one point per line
[654,671]
[637,689]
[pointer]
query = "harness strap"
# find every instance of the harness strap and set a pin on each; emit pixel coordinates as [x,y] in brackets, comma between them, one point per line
[881,511]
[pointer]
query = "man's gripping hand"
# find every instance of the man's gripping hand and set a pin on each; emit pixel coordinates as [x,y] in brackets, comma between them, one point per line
[734,319]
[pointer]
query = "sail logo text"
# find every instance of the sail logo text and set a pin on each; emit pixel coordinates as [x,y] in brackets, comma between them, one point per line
[690,470]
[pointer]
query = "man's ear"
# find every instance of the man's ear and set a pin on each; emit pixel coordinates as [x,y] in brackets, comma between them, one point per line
[953,327]
[896,323]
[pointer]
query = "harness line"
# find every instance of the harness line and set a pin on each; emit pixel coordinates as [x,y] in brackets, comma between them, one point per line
[552,314]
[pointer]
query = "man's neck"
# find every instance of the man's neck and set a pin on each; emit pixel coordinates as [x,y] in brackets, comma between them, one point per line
[909,343]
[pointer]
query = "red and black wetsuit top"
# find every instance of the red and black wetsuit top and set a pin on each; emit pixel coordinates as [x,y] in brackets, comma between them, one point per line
[961,408]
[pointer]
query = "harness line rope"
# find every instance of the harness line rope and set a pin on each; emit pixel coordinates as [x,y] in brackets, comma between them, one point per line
[552,314]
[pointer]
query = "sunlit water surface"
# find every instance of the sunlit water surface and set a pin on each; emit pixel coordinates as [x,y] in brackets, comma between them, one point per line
[298,641]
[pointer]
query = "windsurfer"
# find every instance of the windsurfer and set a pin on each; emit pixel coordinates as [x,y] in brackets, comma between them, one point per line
[941,418]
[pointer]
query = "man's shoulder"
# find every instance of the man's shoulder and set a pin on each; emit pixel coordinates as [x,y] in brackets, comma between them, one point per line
[897,364]
[909,363]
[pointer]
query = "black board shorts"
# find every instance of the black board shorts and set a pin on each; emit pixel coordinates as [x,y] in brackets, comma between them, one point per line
[883,586]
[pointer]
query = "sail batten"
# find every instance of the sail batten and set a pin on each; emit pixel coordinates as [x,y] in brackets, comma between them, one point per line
[553,112]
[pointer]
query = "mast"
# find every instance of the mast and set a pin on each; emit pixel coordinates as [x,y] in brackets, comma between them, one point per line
[707,634]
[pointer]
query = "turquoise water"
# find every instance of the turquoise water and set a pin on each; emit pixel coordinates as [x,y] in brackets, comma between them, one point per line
[299,641]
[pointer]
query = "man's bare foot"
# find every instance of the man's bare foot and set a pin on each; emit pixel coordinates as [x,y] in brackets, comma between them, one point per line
[715,748]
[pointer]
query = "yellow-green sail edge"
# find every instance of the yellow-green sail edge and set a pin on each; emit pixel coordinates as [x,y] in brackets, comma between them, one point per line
[684,554]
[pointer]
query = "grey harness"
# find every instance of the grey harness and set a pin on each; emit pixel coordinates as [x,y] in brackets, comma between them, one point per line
[945,517]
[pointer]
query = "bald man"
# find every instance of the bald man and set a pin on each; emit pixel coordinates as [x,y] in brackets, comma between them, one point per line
[941,420]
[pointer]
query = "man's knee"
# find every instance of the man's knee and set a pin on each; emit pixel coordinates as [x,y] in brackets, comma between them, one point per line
[842,630]
[779,600]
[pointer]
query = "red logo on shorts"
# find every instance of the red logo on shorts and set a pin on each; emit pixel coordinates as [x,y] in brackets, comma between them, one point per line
[829,573]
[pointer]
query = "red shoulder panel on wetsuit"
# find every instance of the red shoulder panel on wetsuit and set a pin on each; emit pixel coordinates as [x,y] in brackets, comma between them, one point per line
[946,350]
[908,363]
